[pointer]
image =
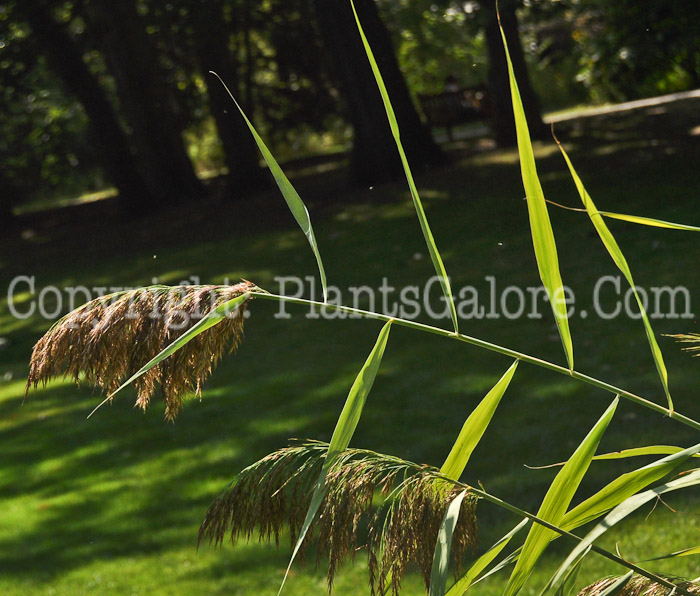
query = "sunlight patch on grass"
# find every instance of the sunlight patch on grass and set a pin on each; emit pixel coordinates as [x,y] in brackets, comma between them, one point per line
[111,506]
[43,204]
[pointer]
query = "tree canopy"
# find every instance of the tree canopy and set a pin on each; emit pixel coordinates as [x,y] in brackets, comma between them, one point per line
[98,94]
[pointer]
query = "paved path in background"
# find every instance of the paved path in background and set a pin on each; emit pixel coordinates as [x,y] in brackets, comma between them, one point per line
[483,130]
[622,107]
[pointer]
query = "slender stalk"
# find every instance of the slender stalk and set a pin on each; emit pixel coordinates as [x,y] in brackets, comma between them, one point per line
[566,207]
[608,555]
[492,347]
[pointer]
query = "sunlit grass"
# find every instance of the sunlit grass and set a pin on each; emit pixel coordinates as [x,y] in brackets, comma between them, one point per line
[112,505]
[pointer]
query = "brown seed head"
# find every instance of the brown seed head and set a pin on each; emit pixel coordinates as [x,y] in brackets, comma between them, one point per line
[109,339]
[638,585]
[275,492]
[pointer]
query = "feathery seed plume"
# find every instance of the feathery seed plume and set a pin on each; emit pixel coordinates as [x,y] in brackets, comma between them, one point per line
[275,492]
[638,585]
[107,340]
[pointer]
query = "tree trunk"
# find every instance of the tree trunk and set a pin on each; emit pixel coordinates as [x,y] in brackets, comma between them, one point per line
[143,97]
[240,152]
[247,89]
[501,108]
[66,59]
[374,154]
[9,197]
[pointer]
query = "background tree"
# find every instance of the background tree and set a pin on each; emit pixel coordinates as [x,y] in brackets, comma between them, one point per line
[462,40]
[629,49]
[435,39]
[9,198]
[499,89]
[66,59]
[374,156]
[212,41]
[144,97]
[98,93]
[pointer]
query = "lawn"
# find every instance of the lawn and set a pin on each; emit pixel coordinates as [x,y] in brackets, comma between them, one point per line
[112,505]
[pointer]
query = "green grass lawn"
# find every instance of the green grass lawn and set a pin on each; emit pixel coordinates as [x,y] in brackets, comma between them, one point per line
[112,505]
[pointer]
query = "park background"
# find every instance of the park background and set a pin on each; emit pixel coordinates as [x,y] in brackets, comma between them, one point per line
[123,160]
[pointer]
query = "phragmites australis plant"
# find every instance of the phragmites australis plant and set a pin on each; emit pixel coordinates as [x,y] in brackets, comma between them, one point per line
[401,513]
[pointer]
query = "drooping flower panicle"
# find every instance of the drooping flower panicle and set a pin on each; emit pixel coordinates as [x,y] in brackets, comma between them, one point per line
[275,492]
[638,585]
[107,340]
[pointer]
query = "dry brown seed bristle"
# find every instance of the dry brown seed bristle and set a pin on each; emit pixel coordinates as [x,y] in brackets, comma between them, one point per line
[275,492]
[409,532]
[108,339]
[638,585]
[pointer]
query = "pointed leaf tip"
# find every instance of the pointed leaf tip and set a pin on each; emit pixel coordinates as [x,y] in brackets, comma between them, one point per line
[291,196]
[343,432]
[435,256]
[540,225]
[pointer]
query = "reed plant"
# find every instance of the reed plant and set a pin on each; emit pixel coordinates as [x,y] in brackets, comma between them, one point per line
[401,513]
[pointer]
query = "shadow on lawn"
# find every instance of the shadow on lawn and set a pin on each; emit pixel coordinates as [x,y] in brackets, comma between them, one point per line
[124,484]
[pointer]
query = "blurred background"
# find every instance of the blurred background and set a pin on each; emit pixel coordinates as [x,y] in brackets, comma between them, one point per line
[103,98]
[122,160]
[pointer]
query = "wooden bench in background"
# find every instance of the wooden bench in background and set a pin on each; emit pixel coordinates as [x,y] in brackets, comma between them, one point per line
[450,108]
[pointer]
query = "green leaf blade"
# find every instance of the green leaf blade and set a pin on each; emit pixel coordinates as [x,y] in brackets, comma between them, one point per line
[441,558]
[686,552]
[475,426]
[563,582]
[556,501]
[614,250]
[291,196]
[640,451]
[540,225]
[465,582]
[350,416]
[627,507]
[649,221]
[435,256]
[344,429]
[624,487]
[625,454]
